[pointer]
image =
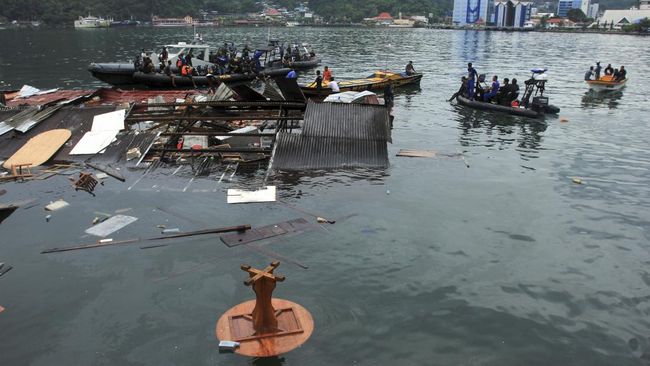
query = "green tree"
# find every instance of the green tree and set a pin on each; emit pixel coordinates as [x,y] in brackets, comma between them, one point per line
[576,15]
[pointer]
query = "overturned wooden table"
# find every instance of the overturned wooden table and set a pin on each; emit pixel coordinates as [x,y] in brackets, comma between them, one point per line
[265,326]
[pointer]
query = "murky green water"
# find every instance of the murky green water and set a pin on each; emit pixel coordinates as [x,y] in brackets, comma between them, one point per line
[507,262]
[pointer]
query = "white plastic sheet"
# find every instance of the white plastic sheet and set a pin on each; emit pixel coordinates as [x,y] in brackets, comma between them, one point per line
[267,194]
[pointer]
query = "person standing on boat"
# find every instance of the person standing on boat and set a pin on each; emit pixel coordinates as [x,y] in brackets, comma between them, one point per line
[410,70]
[472,75]
[597,70]
[493,90]
[318,81]
[334,85]
[164,56]
[327,75]
[188,59]
[589,73]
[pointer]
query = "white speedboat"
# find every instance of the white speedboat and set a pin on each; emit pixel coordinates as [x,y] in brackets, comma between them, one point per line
[91,22]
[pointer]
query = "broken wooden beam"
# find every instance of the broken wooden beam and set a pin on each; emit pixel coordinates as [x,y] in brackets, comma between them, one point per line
[110,242]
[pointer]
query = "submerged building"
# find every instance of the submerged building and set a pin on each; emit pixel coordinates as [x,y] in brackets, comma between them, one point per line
[512,14]
[472,12]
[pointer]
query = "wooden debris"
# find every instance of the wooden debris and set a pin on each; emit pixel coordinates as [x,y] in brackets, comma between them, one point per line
[110,242]
[108,170]
[19,171]
[417,153]
[86,182]
[4,269]
[39,148]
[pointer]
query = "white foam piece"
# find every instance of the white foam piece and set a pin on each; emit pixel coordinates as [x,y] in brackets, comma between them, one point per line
[111,225]
[267,194]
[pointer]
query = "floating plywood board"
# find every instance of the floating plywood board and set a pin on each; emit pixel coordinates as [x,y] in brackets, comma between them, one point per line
[417,153]
[267,194]
[39,148]
[111,225]
[265,232]
[93,142]
[110,121]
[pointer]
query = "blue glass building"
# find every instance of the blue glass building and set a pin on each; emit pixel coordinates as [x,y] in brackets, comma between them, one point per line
[563,6]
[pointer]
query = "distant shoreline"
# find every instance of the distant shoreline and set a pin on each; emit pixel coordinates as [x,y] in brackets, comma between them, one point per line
[355,25]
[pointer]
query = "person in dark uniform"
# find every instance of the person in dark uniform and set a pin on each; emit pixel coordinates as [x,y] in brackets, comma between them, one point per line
[319,80]
[462,90]
[410,70]
[472,75]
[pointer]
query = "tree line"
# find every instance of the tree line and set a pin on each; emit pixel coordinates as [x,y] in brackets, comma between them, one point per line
[65,11]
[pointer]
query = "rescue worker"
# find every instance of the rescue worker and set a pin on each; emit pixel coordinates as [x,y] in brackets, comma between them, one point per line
[462,90]
[597,70]
[168,72]
[493,90]
[609,70]
[334,85]
[186,71]
[327,75]
[410,70]
[472,75]
[622,74]
[319,80]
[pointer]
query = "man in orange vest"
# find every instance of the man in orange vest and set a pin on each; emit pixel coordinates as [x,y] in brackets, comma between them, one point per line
[186,70]
[327,74]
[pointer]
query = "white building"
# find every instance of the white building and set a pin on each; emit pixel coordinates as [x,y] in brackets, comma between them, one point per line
[513,14]
[469,12]
[644,5]
[619,18]
[593,11]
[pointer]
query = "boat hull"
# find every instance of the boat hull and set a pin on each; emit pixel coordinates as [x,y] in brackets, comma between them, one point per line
[499,108]
[361,85]
[158,80]
[298,65]
[601,85]
[113,73]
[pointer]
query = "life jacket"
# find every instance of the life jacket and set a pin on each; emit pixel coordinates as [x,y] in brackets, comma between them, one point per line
[186,70]
[179,63]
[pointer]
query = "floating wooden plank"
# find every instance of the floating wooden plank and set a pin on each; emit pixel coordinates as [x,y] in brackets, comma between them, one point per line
[110,242]
[417,153]
[39,148]
[266,194]
[265,232]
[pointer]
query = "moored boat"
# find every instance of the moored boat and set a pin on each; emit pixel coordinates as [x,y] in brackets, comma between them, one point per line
[376,81]
[606,83]
[91,22]
[160,80]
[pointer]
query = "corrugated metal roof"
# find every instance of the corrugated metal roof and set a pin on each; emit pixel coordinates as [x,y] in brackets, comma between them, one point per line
[300,152]
[115,96]
[35,119]
[355,121]
[48,98]
[17,119]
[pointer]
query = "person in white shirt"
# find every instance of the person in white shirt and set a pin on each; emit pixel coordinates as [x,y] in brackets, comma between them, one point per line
[334,85]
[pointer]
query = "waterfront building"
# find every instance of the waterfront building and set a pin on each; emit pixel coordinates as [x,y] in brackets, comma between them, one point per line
[644,4]
[593,11]
[563,6]
[619,18]
[472,12]
[187,21]
[512,14]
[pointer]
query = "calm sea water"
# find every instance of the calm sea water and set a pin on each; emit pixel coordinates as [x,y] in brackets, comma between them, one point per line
[494,259]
